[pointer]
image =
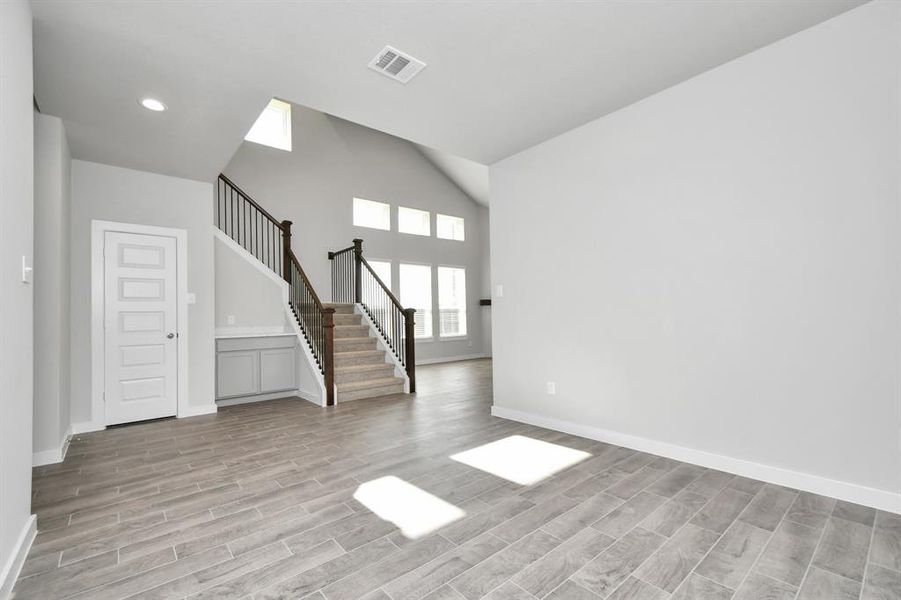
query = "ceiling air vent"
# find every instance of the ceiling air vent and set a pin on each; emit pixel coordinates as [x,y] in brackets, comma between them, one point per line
[395,64]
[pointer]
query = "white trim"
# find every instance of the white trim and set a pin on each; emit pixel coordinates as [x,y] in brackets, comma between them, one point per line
[54,455]
[381,344]
[86,427]
[98,229]
[450,359]
[196,411]
[289,316]
[881,499]
[16,558]
[287,394]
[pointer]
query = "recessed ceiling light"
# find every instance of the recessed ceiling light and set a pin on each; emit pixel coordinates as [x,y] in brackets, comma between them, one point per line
[152,104]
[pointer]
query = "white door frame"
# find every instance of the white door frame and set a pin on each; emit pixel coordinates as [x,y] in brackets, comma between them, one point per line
[98,312]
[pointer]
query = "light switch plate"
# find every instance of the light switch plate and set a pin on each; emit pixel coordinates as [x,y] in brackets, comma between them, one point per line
[551,388]
[498,291]
[27,270]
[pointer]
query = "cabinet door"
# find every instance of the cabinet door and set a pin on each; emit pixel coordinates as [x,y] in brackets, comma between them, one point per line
[277,370]
[237,374]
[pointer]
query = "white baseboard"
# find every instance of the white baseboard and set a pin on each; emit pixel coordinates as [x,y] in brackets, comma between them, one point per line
[308,396]
[86,427]
[56,455]
[196,411]
[881,499]
[16,559]
[448,359]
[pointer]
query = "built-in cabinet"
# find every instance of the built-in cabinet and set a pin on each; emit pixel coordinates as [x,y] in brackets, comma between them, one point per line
[255,365]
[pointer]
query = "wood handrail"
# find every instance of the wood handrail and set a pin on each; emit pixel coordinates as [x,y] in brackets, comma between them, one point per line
[381,283]
[251,201]
[306,280]
[332,255]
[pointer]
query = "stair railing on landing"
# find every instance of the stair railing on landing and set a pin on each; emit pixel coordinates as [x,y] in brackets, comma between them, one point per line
[355,281]
[269,240]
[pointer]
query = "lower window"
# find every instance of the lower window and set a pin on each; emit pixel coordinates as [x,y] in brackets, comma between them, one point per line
[452,301]
[416,292]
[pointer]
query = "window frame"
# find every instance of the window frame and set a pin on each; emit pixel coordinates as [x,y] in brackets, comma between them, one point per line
[437,302]
[438,229]
[432,283]
[390,264]
[354,214]
[428,214]
[285,144]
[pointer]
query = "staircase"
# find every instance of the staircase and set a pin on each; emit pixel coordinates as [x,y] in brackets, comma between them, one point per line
[362,370]
[346,349]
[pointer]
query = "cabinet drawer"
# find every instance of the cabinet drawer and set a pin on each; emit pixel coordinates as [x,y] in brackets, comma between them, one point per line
[258,343]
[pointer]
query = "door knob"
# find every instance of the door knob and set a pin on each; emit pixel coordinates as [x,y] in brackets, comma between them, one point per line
[170,336]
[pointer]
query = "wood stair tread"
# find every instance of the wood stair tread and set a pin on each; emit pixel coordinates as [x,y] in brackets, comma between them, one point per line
[358,353]
[362,367]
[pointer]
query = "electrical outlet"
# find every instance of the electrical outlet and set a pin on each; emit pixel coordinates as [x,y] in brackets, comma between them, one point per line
[231,319]
[551,388]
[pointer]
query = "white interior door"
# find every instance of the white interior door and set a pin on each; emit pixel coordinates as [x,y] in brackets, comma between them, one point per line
[140,327]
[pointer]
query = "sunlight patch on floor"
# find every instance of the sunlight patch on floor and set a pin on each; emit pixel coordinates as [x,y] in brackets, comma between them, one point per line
[521,459]
[413,510]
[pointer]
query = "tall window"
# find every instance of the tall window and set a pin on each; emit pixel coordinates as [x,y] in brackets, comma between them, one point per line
[411,220]
[382,268]
[273,126]
[449,228]
[416,292]
[376,215]
[452,301]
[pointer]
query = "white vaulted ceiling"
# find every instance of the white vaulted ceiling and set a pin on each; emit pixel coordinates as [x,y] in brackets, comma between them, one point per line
[501,76]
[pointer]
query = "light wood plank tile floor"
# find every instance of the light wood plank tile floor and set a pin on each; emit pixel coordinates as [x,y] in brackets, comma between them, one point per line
[258,502]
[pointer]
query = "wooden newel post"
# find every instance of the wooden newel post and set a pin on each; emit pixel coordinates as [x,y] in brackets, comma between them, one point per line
[328,354]
[286,250]
[410,347]
[358,270]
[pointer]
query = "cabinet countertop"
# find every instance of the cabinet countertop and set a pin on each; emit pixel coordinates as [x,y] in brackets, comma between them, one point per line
[229,336]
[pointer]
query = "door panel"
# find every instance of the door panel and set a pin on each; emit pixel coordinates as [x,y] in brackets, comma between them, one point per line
[140,362]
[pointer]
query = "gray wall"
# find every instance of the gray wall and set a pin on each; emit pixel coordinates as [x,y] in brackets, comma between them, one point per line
[16,237]
[51,283]
[245,293]
[334,161]
[718,266]
[110,193]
